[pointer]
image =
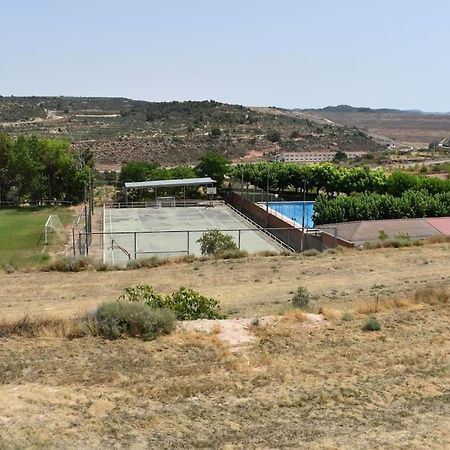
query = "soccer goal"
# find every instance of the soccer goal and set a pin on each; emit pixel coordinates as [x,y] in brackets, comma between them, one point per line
[53,225]
[165,201]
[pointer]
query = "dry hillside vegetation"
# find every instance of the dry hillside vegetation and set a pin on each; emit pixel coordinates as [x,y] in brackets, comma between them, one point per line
[296,384]
[120,129]
[417,129]
[248,286]
[330,386]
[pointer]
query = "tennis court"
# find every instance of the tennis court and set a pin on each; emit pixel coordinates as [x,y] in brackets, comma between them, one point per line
[174,231]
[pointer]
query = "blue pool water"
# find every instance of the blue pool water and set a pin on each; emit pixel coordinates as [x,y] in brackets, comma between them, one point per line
[294,211]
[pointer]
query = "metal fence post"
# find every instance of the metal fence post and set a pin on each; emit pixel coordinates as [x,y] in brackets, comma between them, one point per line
[188,239]
[73,242]
[135,246]
[239,240]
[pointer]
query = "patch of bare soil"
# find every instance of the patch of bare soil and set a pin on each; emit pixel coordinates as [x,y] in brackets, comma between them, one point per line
[238,331]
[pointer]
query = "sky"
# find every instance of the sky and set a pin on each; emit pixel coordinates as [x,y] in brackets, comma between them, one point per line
[285,53]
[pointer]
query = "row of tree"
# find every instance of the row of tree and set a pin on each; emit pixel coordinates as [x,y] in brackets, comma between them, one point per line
[34,169]
[335,180]
[371,206]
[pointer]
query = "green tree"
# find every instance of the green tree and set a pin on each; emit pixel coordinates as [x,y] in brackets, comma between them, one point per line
[214,165]
[273,135]
[340,156]
[214,242]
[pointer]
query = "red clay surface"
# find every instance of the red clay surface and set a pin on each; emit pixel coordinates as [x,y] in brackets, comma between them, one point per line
[368,230]
[442,224]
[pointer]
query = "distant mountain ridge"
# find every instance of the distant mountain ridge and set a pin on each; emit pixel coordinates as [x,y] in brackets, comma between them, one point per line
[362,109]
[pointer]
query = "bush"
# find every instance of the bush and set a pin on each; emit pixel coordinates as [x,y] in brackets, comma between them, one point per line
[311,252]
[143,294]
[301,298]
[190,305]
[120,319]
[70,264]
[214,242]
[273,136]
[232,254]
[371,324]
[187,304]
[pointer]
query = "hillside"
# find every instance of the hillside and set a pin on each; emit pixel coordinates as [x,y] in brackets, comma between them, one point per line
[413,128]
[295,384]
[120,129]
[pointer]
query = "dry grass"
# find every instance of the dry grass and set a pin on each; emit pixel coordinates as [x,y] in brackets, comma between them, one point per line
[296,315]
[32,327]
[330,313]
[385,304]
[432,296]
[423,296]
[295,387]
[253,287]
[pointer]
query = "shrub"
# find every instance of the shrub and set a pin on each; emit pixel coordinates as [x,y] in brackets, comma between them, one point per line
[371,324]
[346,317]
[153,261]
[187,304]
[190,305]
[133,264]
[120,319]
[311,252]
[143,294]
[382,235]
[273,135]
[70,264]
[214,242]
[232,254]
[9,267]
[301,298]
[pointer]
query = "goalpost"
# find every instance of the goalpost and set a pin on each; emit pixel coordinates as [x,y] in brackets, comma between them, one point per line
[165,201]
[53,225]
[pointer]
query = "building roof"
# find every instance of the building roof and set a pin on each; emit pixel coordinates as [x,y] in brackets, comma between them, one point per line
[170,183]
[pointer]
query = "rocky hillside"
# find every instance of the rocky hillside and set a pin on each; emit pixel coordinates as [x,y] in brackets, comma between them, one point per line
[120,129]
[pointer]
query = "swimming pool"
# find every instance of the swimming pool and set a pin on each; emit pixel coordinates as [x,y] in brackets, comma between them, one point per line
[294,211]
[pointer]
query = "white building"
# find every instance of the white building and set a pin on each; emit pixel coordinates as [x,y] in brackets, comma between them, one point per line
[312,157]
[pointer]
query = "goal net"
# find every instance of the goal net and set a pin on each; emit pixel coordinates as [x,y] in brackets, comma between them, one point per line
[53,226]
[165,201]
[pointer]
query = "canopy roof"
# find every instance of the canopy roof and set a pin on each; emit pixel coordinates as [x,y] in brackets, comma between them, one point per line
[170,183]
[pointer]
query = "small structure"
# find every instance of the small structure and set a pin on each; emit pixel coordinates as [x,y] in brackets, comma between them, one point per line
[181,182]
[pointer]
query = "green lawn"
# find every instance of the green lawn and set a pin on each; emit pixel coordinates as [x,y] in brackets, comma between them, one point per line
[22,235]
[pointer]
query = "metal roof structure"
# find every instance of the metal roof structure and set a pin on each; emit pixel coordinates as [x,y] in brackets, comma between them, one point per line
[170,183]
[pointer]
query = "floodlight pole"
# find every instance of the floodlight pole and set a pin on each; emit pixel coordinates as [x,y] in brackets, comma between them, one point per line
[85,220]
[303,216]
[267,200]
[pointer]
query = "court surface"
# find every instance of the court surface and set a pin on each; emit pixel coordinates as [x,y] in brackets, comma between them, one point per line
[170,231]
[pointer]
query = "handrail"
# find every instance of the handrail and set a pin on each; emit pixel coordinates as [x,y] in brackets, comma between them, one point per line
[260,228]
[126,252]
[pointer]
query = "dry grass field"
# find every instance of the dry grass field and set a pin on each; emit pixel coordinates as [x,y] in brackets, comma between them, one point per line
[296,385]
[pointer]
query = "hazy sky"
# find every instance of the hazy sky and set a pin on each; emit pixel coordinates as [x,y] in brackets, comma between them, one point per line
[378,53]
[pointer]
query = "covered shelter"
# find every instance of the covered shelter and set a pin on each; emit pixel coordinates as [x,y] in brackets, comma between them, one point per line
[181,182]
